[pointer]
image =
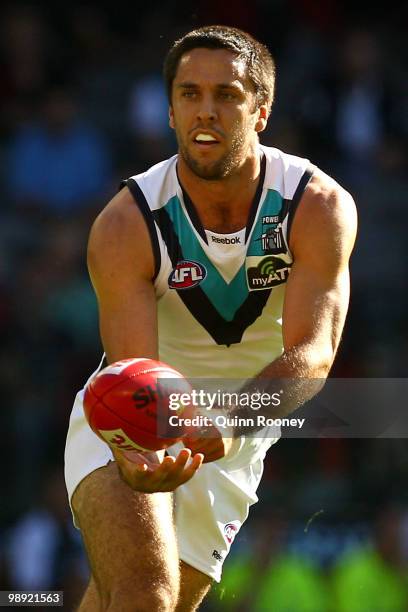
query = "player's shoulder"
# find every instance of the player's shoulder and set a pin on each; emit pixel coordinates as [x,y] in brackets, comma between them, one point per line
[120,217]
[157,184]
[157,171]
[326,210]
[286,162]
[119,239]
[325,201]
[123,211]
[324,192]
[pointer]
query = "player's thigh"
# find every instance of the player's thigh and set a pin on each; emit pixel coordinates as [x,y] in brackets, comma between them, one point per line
[129,536]
[194,585]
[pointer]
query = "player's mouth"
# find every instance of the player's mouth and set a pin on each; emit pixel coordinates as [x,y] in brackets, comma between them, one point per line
[205,140]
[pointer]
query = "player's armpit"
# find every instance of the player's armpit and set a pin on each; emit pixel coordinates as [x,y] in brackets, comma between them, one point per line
[121,267]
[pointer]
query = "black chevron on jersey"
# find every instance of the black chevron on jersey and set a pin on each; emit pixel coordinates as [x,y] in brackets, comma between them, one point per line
[195,299]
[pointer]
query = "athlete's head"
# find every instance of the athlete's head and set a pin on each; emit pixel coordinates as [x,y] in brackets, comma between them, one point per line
[258,62]
[220,83]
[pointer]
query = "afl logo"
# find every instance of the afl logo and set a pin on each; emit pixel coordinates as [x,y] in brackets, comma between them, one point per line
[230,531]
[186,275]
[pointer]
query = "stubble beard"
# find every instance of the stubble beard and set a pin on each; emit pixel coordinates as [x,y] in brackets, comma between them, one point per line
[220,169]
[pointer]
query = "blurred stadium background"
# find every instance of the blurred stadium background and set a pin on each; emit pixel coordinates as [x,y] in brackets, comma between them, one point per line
[82,106]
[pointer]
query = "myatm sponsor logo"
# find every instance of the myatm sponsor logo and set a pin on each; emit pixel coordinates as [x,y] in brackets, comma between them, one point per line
[186,275]
[270,272]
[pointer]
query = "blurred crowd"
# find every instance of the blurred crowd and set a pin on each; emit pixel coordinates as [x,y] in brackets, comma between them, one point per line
[82,106]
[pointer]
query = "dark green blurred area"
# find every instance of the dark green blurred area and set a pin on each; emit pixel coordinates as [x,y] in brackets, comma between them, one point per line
[82,106]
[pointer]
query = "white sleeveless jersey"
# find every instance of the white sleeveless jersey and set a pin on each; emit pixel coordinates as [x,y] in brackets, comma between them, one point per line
[220,296]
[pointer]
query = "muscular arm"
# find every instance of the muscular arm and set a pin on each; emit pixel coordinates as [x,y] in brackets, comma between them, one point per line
[121,266]
[317,292]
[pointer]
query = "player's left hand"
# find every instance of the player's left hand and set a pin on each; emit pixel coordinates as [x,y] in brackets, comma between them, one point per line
[208,441]
[152,472]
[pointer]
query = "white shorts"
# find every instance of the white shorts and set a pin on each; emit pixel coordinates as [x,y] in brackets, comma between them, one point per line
[209,509]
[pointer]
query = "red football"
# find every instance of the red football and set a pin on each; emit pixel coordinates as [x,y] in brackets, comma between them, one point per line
[129,404]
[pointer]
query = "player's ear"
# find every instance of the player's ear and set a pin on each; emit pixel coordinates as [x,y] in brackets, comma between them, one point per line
[171,117]
[262,119]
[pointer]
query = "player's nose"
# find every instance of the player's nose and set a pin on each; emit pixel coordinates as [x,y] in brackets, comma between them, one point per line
[207,110]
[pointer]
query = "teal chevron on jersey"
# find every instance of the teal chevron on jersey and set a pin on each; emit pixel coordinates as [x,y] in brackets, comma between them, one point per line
[187,238]
[225,297]
[271,206]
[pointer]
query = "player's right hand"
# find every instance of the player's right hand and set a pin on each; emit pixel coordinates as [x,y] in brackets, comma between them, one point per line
[209,442]
[151,473]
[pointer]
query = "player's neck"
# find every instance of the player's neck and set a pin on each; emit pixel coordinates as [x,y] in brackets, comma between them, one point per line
[235,192]
[223,206]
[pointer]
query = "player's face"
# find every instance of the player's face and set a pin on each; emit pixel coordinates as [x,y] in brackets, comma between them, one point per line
[214,113]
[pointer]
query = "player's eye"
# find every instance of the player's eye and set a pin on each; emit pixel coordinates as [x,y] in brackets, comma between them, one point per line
[227,95]
[188,94]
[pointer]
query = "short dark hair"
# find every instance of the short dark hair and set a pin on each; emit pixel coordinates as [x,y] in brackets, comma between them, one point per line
[258,60]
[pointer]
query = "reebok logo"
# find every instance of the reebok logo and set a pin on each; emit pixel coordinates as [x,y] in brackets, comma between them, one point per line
[236,240]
